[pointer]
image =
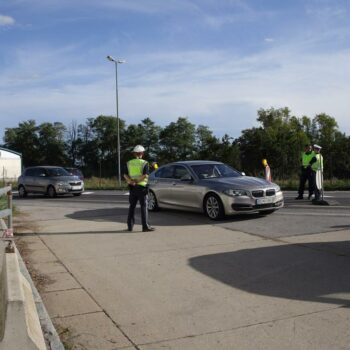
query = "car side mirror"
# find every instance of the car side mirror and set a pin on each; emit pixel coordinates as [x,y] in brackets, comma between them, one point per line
[187,178]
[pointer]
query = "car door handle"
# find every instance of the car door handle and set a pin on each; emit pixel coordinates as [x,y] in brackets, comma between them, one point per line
[174,183]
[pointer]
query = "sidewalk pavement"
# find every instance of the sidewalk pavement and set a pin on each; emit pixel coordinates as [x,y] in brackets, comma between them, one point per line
[187,286]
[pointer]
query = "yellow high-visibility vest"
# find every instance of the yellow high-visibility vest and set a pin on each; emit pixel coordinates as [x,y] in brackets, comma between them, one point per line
[305,158]
[318,165]
[135,170]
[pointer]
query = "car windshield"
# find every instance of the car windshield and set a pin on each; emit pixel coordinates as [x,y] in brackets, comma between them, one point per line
[57,172]
[73,171]
[206,171]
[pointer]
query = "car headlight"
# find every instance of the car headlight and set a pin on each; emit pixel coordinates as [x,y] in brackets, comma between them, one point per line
[62,184]
[236,193]
[278,189]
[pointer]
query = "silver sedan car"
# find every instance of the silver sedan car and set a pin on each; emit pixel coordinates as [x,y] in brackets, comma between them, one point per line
[213,188]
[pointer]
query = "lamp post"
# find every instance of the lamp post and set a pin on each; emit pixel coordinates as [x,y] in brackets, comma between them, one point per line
[116,62]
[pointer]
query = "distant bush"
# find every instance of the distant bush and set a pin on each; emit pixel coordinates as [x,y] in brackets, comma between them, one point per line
[96,183]
[329,185]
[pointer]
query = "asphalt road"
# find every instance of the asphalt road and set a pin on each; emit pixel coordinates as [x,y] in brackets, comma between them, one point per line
[296,218]
[193,283]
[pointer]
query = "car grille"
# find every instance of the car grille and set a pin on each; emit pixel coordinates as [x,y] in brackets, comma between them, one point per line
[76,183]
[271,192]
[262,193]
[258,194]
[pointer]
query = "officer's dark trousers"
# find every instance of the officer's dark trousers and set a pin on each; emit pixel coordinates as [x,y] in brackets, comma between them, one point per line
[306,175]
[138,194]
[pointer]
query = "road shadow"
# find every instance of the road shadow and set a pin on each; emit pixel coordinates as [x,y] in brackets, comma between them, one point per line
[40,196]
[165,217]
[94,232]
[344,227]
[316,272]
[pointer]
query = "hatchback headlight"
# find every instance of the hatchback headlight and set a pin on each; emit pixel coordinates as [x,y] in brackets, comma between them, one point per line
[62,184]
[236,193]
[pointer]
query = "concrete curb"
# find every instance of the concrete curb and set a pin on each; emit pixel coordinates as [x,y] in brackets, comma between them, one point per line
[52,339]
[20,320]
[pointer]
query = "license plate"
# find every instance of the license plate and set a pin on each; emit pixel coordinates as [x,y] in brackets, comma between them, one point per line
[265,200]
[76,187]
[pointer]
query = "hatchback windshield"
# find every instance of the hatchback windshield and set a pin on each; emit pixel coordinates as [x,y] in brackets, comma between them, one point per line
[206,171]
[57,172]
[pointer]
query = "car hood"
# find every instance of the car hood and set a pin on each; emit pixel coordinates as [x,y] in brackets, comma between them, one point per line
[242,182]
[66,178]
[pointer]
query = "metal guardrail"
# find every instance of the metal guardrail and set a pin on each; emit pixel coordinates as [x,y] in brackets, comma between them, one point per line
[7,213]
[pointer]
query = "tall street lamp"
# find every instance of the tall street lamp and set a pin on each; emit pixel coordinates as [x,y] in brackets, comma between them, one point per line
[116,62]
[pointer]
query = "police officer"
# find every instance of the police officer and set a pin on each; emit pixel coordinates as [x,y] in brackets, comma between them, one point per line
[317,167]
[136,176]
[306,172]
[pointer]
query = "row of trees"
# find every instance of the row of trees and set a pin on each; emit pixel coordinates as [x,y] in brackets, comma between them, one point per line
[92,146]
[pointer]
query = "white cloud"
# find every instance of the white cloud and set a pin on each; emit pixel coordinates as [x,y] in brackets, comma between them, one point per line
[6,20]
[325,11]
[226,103]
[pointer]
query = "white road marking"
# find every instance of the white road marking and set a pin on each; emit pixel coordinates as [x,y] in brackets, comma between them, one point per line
[312,214]
[306,197]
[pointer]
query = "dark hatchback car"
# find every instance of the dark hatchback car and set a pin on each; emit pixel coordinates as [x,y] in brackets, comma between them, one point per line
[49,180]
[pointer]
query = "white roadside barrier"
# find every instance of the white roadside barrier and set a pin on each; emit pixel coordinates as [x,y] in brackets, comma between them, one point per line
[24,321]
[20,326]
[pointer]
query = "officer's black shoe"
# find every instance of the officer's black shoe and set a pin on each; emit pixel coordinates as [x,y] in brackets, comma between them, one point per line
[130,228]
[148,229]
[309,197]
[299,197]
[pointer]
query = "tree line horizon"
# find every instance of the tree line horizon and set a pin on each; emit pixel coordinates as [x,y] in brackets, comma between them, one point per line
[92,146]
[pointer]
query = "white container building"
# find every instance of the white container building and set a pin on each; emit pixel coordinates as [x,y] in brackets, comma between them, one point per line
[10,164]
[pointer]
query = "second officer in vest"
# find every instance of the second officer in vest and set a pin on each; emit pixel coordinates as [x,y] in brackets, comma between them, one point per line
[306,172]
[136,176]
[317,172]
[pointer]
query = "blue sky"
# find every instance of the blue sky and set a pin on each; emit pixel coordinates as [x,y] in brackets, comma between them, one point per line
[215,61]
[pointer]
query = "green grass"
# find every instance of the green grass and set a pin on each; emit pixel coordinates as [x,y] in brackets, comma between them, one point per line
[329,185]
[337,185]
[95,183]
[3,202]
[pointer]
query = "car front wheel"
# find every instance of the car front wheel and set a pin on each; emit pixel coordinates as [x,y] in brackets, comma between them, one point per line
[152,203]
[213,207]
[22,192]
[51,192]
